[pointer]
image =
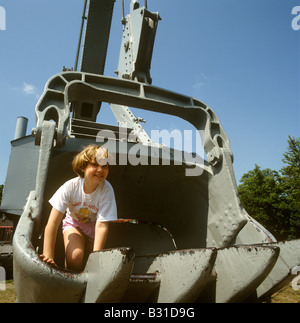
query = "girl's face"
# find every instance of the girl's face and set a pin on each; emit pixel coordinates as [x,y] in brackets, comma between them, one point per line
[95,173]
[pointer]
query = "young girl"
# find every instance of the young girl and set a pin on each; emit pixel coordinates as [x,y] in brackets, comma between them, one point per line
[89,203]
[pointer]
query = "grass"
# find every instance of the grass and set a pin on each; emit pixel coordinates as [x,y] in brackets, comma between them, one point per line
[286,295]
[9,295]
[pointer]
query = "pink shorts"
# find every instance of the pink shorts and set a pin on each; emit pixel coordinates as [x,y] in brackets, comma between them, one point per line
[87,229]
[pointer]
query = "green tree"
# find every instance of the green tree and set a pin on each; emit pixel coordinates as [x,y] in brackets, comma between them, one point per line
[259,192]
[273,199]
[290,181]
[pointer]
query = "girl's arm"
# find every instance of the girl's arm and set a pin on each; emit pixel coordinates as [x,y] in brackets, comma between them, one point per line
[54,221]
[101,231]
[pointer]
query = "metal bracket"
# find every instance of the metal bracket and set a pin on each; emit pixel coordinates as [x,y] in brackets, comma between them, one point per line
[67,87]
[139,30]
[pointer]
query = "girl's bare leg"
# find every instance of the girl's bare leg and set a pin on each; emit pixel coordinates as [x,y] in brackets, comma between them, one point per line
[74,249]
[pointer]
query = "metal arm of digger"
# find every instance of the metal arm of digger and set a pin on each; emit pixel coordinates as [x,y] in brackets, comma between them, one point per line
[139,30]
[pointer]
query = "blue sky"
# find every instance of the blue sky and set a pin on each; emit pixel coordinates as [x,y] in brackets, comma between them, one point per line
[240,57]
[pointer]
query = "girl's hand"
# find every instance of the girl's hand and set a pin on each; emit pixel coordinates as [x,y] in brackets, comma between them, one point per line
[48,260]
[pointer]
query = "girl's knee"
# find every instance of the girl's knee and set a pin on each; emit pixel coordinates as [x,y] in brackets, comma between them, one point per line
[75,260]
[74,249]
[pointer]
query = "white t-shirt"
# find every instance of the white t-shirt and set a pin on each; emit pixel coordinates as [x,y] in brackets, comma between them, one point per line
[100,206]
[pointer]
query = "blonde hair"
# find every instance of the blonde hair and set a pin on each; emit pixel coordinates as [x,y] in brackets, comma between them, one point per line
[90,155]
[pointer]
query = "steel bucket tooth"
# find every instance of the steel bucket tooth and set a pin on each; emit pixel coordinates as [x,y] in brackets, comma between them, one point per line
[107,283]
[183,274]
[239,271]
[281,274]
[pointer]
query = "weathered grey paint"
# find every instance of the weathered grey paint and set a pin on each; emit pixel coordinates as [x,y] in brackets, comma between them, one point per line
[216,252]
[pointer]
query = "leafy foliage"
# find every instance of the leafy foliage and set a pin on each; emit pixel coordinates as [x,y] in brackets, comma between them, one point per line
[273,199]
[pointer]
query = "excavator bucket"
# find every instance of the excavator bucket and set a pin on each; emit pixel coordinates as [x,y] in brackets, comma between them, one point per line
[187,217]
[182,234]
